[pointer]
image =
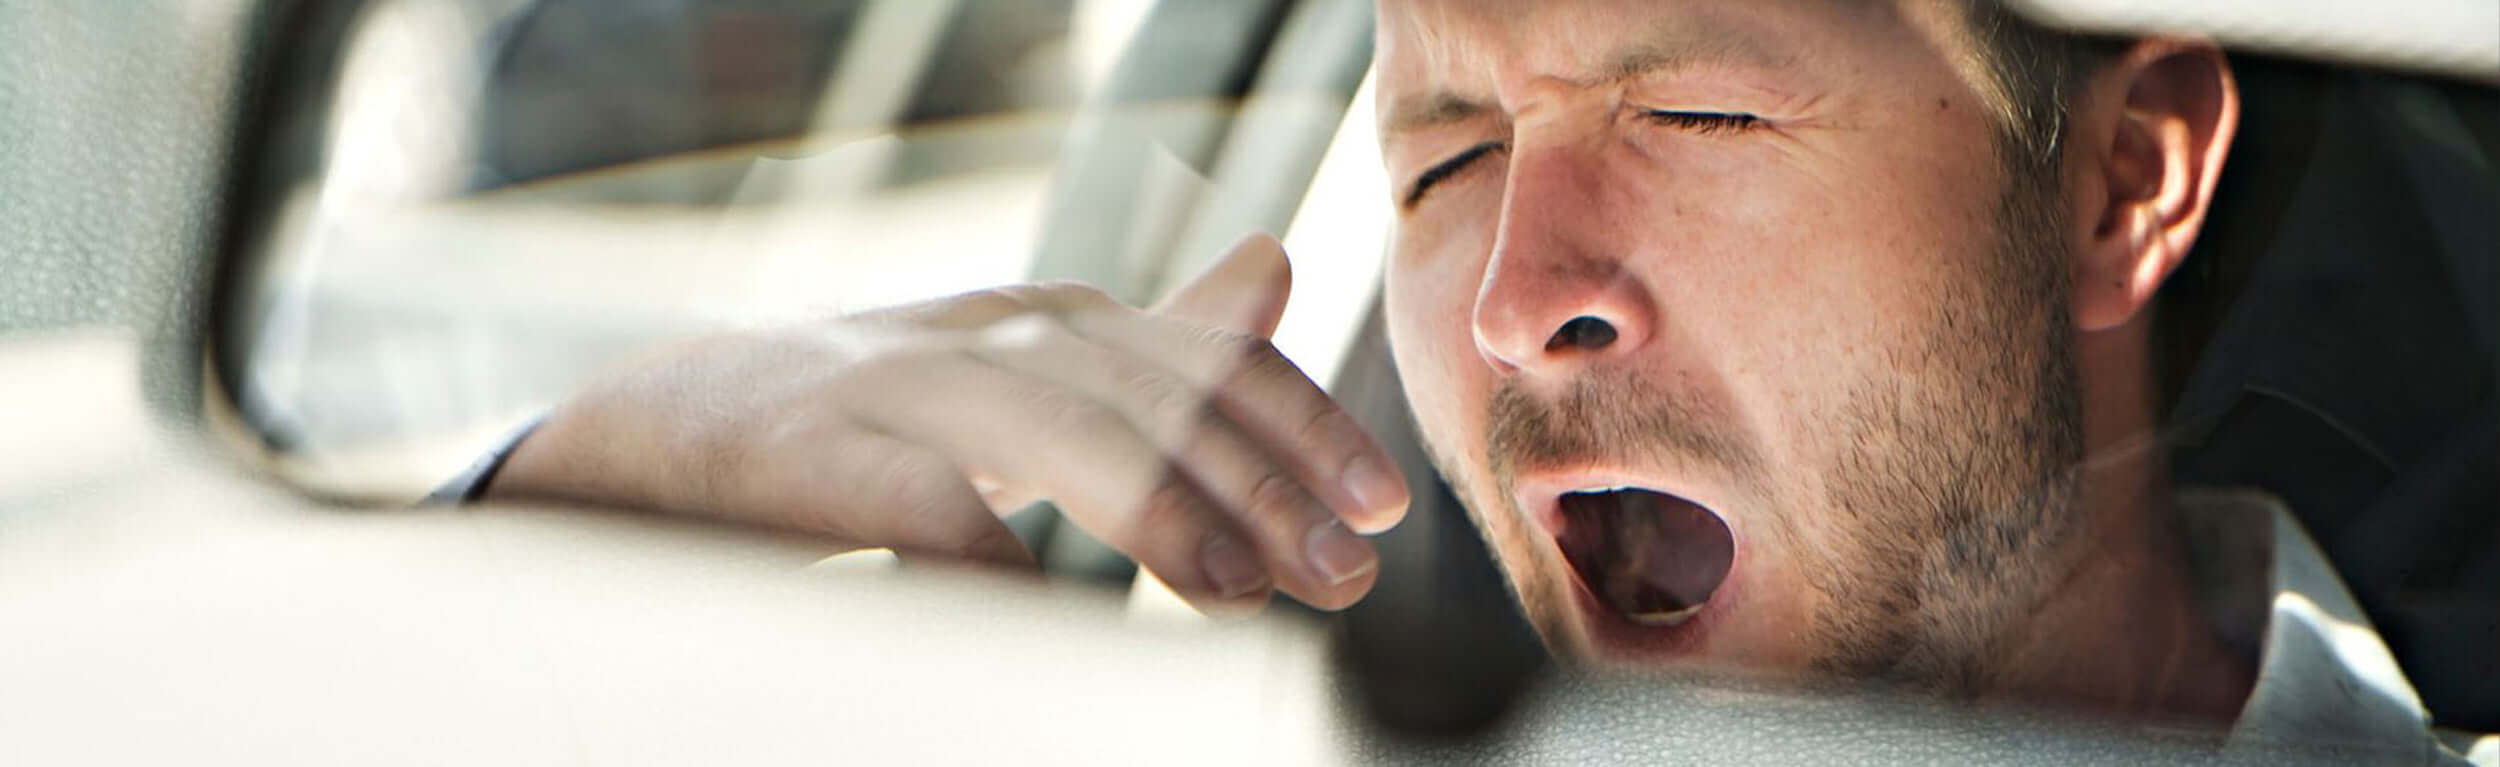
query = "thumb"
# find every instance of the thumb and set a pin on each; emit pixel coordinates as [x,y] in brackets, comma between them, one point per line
[1244,291]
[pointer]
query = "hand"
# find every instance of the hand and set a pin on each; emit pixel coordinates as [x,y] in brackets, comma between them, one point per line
[1178,436]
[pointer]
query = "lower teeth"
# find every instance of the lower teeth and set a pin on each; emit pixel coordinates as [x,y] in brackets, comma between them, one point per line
[1664,618]
[1629,582]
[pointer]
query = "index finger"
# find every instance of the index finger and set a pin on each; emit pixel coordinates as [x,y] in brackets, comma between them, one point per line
[1244,291]
[1271,398]
[1255,385]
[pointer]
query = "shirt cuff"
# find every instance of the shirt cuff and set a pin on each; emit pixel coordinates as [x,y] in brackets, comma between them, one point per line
[471,483]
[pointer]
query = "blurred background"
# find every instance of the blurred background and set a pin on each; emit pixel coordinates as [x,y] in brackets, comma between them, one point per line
[482,231]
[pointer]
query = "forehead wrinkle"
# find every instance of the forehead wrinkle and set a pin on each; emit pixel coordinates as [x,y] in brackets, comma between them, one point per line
[1674,46]
[1445,50]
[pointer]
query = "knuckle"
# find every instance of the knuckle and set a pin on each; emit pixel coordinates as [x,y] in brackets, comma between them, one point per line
[909,479]
[1260,361]
[1172,503]
[1172,402]
[1025,332]
[1076,417]
[1326,426]
[889,364]
[1058,296]
[999,300]
[1276,496]
[902,478]
[1066,299]
[758,447]
[921,496]
[1197,335]
[1071,293]
[1237,344]
[1230,354]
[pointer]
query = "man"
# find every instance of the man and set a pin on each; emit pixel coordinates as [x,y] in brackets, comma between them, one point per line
[1809,339]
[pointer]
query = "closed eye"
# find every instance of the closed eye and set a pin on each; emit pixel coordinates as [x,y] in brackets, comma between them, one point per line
[1446,169]
[1704,123]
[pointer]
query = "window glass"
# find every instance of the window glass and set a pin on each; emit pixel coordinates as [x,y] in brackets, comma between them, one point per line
[513,195]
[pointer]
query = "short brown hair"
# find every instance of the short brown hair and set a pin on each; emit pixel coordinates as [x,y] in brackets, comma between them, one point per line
[2037,72]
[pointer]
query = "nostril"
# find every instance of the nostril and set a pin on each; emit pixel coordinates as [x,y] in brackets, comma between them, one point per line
[1583,332]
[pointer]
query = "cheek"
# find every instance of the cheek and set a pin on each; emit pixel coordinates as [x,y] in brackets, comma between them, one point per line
[1796,277]
[1429,297]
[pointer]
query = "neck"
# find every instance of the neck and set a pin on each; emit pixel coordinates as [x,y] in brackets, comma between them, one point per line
[2121,631]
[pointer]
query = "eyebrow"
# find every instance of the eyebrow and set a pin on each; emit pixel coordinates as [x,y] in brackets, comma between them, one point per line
[1431,110]
[1673,50]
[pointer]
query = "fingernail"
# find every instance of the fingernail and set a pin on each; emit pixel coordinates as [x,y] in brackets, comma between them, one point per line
[1232,567]
[1338,553]
[1372,488]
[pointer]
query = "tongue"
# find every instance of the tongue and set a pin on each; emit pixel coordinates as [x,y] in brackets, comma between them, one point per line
[1654,557]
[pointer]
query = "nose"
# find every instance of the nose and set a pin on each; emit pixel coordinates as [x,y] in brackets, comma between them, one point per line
[1559,290]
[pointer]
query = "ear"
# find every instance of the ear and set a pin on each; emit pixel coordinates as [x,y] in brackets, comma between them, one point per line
[2151,129]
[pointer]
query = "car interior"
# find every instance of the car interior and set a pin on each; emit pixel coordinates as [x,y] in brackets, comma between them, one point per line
[276,269]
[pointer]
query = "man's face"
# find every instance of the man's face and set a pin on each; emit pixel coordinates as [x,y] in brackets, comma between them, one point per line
[1762,262]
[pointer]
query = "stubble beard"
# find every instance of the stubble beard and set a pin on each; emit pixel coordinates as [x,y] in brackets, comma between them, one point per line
[1952,488]
[1960,488]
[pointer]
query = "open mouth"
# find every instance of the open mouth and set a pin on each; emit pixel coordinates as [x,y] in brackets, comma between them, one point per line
[1653,557]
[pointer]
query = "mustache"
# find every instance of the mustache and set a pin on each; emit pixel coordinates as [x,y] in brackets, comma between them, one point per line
[1608,419]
